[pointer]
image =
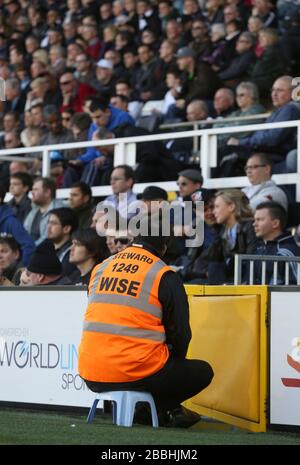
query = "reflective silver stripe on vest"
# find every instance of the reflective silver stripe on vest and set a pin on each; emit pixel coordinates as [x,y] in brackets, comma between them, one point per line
[141,303]
[98,274]
[123,331]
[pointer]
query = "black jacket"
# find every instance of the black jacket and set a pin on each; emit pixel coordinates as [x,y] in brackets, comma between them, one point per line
[175,311]
[283,246]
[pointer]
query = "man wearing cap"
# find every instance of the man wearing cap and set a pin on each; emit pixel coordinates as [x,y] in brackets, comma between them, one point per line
[199,80]
[105,77]
[44,268]
[189,181]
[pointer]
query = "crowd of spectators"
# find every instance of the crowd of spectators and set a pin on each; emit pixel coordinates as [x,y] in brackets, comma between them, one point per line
[80,70]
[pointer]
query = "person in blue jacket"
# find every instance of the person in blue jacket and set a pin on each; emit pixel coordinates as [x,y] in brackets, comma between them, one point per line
[11,225]
[103,115]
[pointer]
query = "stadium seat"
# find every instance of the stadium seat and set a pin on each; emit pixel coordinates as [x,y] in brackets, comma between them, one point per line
[123,403]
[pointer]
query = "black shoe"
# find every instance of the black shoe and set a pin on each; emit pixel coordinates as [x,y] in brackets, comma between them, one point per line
[178,418]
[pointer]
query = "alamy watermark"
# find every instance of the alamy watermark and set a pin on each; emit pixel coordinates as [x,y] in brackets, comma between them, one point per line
[2,90]
[296,90]
[138,218]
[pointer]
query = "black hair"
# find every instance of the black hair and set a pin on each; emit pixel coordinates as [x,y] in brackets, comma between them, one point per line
[84,188]
[66,216]
[95,244]
[128,171]
[276,212]
[25,179]
[152,232]
[11,242]
[99,103]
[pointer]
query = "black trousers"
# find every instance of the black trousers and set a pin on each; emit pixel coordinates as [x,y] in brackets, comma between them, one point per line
[177,381]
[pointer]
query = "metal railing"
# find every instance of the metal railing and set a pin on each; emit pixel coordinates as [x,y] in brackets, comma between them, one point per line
[211,122]
[125,153]
[264,259]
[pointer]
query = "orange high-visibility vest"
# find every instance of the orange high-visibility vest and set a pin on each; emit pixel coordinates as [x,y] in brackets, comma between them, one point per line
[123,336]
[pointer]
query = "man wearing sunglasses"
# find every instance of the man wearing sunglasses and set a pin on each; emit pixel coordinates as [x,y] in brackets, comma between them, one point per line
[136,330]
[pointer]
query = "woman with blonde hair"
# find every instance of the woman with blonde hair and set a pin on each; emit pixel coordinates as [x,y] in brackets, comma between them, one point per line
[237,236]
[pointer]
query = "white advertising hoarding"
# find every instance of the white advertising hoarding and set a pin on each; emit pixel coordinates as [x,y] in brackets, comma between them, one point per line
[40,331]
[285,358]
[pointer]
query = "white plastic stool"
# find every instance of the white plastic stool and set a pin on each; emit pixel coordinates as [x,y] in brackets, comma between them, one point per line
[123,403]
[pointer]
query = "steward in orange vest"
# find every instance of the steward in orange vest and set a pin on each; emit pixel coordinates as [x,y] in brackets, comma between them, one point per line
[136,328]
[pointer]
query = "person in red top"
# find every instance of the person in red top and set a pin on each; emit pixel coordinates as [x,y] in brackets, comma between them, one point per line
[73,92]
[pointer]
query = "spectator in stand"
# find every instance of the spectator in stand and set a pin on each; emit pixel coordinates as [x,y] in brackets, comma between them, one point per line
[15,100]
[271,64]
[80,200]
[233,29]
[120,102]
[19,186]
[73,92]
[242,63]
[233,213]
[218,44]
[214,11]
[62,223]
[121,181]
[10,261]
[85,72]
[11,141]
[105,77]
[131,63]
[43,199]
[223,102]
[10,225]
[189,181]
[44,268]
[269,225]
[66,117]
[57,56]
[56,134]
[174,33]
[123,87]
[264,9]
[148,75]
[201,43]
[147,17]
[198,80]
[87,250]
[90,35]
[247,99]
[103,115]
[255,25]
[262,188]
[166,12]
[276,142]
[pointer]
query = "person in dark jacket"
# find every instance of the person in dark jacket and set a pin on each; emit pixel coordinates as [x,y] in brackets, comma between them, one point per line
[269,225]
[61,225]
[177,378]
[10,264]
[9,224]
[19,186]
[234,215]
[80,201]
[240,66]
[87,250]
